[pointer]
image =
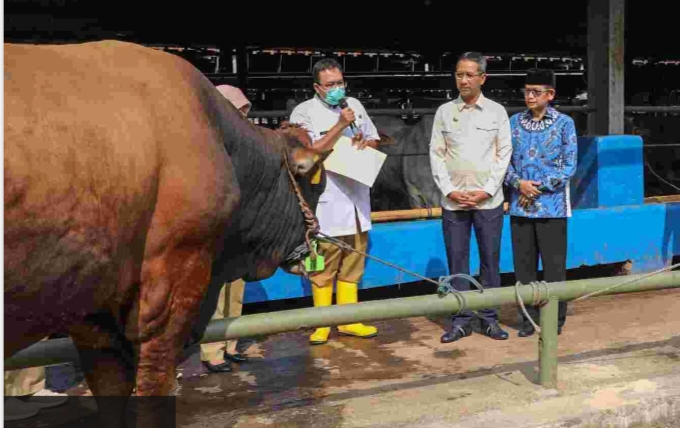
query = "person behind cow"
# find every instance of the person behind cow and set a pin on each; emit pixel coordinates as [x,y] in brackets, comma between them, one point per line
[344,209]
[470,148]
[543,162]
[26,393]
[217,356]
[236,97]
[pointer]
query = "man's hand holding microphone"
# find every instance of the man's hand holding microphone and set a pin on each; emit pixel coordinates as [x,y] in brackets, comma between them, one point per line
[347,118]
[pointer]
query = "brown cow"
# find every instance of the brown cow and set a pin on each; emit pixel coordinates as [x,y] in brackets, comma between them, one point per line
[126,175]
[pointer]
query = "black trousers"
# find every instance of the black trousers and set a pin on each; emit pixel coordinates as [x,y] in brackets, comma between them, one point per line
[546,237]
[457,227]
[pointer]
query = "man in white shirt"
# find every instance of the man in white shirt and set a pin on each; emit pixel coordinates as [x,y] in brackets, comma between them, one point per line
[470,149]
[344,209]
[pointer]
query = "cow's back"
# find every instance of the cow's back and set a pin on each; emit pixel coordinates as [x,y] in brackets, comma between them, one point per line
[95,136]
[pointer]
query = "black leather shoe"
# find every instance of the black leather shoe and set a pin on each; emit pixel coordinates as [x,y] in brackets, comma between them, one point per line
[495,331]
[224,367]
[529,330]
[456,333]
[526,330]
[237,358]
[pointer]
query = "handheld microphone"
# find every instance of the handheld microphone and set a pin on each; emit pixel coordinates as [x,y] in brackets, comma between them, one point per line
[343,104]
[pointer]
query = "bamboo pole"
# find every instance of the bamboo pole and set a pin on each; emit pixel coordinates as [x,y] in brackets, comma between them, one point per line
[412,214]
[662,199]
[428,213]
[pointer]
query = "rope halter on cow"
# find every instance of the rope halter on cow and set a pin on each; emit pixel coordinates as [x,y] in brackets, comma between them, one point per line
[311,222]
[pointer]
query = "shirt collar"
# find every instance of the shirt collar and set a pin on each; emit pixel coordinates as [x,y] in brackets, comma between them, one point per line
[480,104]
[550,114]
[527,120]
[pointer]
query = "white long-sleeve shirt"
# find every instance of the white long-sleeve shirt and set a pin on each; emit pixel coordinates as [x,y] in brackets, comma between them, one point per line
[470,149]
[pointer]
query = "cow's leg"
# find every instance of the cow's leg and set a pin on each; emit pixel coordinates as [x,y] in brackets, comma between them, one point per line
[107,359]
[173,286]
[180,281]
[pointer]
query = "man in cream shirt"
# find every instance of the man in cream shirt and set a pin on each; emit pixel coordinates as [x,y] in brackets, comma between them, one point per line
[344,209]
[470,150]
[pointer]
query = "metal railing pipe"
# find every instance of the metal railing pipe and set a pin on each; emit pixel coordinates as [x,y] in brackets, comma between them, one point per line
[406,307]
[55,352]
[510,109]
[547,344]
[652,109]
[413,111]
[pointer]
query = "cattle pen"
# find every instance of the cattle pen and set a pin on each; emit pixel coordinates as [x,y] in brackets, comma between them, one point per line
[607,195]
[600,234]
[616,361]
[546,295]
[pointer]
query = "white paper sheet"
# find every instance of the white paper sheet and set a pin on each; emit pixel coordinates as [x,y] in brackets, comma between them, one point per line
[360,165]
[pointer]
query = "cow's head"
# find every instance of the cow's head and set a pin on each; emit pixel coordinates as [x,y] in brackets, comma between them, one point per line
[307,167]
[304,163]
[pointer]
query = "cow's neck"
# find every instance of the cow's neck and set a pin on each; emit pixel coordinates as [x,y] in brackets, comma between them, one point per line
[269,218]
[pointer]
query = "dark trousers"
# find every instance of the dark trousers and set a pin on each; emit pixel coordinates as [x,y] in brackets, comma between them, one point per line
[488,226]
[547,237]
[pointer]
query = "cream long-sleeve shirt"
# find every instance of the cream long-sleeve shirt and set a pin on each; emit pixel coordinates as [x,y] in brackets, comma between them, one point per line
[470,149]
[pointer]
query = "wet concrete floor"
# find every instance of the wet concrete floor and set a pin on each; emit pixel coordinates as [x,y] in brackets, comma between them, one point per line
[289,383]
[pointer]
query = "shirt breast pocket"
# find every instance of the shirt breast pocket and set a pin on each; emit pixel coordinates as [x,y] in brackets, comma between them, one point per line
[487,130]
[451,135]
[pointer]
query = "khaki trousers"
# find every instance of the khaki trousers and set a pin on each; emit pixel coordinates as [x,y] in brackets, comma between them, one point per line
[24,381]
[345,265]
[230,304]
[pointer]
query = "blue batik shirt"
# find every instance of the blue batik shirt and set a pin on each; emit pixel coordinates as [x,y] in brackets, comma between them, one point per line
[543,151]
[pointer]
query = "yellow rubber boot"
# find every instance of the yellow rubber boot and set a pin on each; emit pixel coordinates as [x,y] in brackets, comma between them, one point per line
[323,296]
[347,292]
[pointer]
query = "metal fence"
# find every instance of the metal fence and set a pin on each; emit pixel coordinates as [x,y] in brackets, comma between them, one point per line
[658,126]
[59,351]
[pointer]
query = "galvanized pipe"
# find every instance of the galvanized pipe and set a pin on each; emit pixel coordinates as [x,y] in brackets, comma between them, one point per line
[652,109]
[547,344]
[295,319]
[59,351]
[411,111]
[510,110]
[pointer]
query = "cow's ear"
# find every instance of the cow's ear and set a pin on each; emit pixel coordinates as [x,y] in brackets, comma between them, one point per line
[303,161]
[317,170]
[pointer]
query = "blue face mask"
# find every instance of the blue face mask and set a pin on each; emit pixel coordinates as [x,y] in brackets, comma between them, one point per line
[334,96]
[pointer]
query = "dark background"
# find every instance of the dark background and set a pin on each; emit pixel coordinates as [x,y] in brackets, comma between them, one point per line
[424,31]
[424,25]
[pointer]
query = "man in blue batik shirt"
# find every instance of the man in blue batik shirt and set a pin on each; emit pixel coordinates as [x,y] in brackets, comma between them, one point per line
[543,161]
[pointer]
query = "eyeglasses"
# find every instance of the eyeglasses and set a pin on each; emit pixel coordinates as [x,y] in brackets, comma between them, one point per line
[535,92]
[331,85]
[470,76]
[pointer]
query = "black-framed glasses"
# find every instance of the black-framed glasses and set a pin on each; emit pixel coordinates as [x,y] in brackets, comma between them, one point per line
[535,92]
[331,85]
